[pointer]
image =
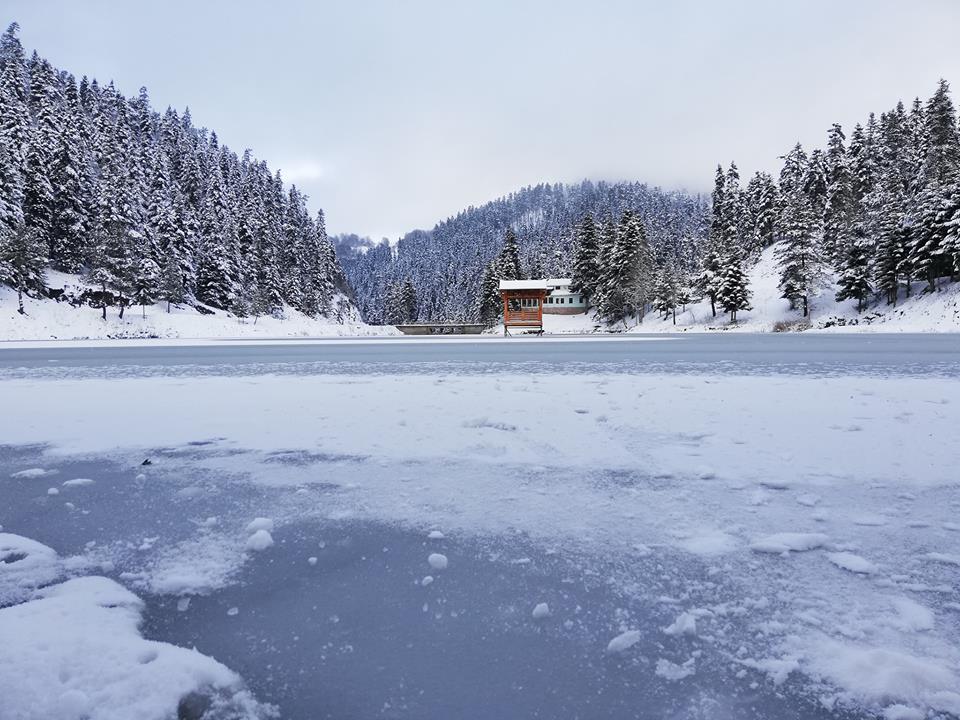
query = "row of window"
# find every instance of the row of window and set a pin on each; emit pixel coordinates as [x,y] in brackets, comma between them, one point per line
[560,301]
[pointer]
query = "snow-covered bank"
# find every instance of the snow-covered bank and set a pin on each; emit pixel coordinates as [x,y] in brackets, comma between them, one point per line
[47,319]
[923,311]
[73,650]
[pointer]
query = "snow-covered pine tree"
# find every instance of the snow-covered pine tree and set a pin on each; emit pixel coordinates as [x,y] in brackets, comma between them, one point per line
[586,270]
[760,199]
[837,220]
[734,291]
[22,260]
[15,121]
[628,277]
[45,103]
[667,292]
[930,259]
[508,262]
[799,257]
[708,278]
[489,302]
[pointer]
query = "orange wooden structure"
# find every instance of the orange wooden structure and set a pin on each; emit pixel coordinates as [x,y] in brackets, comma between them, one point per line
[523,304]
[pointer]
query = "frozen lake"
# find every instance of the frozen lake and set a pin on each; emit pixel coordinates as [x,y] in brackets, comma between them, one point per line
[701,352]
[765,524]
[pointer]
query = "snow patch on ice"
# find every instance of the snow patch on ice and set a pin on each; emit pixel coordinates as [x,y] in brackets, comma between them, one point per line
[851,562]
[789,542]
[540,611]
[685,624]
[25,565]
[437,561]
[76,651]
[673,672]
[31,473]
[260,540]
[622,642]
[260,523]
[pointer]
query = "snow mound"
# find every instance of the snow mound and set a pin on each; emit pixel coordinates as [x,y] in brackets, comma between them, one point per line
[260,540]
[685,624]
[76,651]
[853,563]
[673,672]
[541,611]
[78,482]
[24,566]
[435,535]
[789,541]
[880,676]
[437,561]
[623,641]
[31,473]
[260,523]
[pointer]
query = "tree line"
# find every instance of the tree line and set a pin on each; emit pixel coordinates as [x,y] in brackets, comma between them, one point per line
[880,209]
[148,207]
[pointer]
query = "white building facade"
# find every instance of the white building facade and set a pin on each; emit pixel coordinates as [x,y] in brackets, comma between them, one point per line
[561,300]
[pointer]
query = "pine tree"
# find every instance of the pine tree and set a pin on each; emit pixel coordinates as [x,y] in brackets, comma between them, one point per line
[854,272]
[586,269]
[22,261]
[837,216]
[667,292]
[508,262]
[489,302]
[799,254]
[761,209]
[172,289]
[734,292]
[146,282]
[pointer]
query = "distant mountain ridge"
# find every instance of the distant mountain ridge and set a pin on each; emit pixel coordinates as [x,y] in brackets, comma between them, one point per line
[445,265]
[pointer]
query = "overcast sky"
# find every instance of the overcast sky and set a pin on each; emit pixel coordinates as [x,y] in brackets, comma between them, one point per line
[394,114]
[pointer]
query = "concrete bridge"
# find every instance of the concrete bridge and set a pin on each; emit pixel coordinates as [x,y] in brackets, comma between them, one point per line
[442,328]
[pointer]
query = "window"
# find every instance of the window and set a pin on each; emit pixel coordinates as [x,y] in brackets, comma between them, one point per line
[529,302]
[550,301]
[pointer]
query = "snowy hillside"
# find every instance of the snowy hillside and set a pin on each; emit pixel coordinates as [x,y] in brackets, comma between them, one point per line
[922,312]
[47,319]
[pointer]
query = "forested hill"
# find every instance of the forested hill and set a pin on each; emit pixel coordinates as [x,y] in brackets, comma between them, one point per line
[145,205]
[444,266]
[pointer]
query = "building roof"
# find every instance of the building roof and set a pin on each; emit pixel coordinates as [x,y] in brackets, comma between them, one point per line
[523,284]
[559,282]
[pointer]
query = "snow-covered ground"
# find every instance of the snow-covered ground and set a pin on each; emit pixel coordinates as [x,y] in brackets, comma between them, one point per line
[922,312]
[51,320]
[792,532]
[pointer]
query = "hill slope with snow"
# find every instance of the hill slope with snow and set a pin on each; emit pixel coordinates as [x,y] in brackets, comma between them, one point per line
[921,312]
[48,319]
